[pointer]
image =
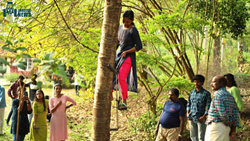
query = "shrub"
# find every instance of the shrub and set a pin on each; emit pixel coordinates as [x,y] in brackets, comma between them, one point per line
[185,86]
[11,77]
[242,79]
[144,123]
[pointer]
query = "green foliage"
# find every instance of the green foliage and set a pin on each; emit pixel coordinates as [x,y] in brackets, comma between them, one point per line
[4,61]
[11,77]
[51,65]
[229,16]
[51,35]
[21,65]
[242,80]
[144,123]
[39,84]
[3,69]
[185,86]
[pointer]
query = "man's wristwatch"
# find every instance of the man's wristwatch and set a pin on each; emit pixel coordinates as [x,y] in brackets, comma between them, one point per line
[179,135]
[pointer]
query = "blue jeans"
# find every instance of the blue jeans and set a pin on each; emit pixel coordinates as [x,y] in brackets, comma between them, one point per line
[20,137]
[197,130]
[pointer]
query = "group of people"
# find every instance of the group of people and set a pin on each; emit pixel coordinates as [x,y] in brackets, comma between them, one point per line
[209,119]
[37,107]
[216,119]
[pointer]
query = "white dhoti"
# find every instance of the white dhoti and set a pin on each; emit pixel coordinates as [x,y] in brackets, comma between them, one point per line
[217,131]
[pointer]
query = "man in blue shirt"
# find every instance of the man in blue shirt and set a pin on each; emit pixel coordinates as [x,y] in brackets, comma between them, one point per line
[2,108]
[171,119]
[198,105]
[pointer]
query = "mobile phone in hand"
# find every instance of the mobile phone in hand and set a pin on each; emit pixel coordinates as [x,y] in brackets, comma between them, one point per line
[25,93]
[36,128]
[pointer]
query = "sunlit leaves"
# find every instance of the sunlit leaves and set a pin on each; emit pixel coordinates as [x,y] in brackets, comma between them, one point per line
[229,16]
[4,61]
[3,69]
[52,65]
[5,48]
[36,60]
[21,49]
[25,55]
[47,32]
[9,42]
[21,65]
[48,56]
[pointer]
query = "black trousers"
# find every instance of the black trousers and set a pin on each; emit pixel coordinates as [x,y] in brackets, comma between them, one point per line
[77,88]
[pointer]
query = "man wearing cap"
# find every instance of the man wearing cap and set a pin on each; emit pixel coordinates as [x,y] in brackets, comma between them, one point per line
[12,92]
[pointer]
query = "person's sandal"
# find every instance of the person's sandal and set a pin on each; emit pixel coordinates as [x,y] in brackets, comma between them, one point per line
[124,108]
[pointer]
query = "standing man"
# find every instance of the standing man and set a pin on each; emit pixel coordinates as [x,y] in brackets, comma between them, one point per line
[77,86]
[198,105]
[171,119]
[12,93]
[223,113]
[32,92]
[78,79]
[32,87]
[2,108]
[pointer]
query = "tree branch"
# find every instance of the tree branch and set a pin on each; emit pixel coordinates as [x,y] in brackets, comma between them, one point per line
[158,81]
[71,30]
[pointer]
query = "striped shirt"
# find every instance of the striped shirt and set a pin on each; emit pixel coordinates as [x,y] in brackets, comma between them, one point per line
[223,108]
[198,104]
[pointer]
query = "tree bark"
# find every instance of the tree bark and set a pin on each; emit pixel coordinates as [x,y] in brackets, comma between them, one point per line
[102,99]
[216,56]
[222,51]
[205,45]
[207,61]
[240,60]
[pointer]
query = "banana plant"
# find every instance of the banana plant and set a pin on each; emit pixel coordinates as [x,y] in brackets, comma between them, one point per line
[52,65]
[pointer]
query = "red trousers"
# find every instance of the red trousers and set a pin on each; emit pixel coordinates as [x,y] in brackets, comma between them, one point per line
[122,76]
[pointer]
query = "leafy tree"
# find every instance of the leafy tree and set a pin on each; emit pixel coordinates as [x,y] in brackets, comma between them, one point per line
[70,29]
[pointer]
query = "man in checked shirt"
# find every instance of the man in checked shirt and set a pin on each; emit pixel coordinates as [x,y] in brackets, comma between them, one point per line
[198,105]
[223,113]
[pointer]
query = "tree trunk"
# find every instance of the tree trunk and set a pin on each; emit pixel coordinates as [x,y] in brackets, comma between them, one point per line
[205,45]
[152,105]
[216,56]
[102,99]
[222,51]
[207,61]
[240,60]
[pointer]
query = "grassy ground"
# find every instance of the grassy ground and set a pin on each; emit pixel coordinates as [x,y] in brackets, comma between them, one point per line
[135,124]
